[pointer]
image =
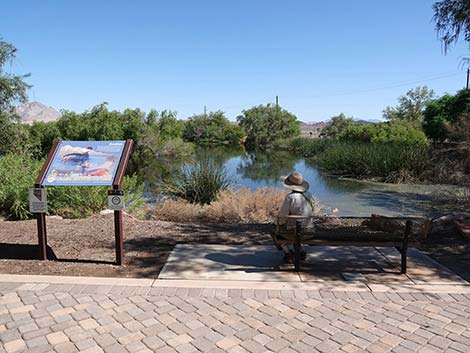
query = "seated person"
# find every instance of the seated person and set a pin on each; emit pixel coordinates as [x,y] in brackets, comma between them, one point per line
[298,202]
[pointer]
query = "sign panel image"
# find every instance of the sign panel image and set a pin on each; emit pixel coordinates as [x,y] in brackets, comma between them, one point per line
[84,163]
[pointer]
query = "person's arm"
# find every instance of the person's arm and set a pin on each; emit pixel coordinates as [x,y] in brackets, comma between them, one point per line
[285,210]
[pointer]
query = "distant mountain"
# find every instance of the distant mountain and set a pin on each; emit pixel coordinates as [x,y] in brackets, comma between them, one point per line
[35,111]
[312,129]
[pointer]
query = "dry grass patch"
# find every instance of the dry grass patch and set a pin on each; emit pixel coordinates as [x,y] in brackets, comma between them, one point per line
[240,206]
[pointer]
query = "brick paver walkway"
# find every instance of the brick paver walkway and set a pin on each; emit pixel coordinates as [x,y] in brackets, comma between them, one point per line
[71,318]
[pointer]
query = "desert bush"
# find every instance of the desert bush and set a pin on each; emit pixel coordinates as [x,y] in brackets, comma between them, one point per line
[401,132]
[83,201]
[240,206]
[198,182]
[17,175]
[374,160]
[444,111]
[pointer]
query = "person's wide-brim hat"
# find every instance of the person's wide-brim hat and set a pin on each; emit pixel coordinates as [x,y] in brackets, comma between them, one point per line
[295,181]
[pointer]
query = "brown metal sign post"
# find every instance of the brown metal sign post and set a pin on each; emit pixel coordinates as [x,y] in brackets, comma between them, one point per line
[117,183]
[41,217]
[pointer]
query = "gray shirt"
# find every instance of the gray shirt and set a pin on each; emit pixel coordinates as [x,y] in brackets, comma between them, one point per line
[296,204]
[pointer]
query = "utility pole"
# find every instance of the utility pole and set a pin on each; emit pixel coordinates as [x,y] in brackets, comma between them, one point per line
[205,110]
[277,100]
[468,76]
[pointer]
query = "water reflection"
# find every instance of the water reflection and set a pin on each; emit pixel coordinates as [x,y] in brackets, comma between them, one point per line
[263,169]
[266,167]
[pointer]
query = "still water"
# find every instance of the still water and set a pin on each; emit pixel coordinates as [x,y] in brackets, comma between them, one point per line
[350,197]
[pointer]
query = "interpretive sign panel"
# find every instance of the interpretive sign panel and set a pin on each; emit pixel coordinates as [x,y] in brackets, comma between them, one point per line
[37,200]
[84,163]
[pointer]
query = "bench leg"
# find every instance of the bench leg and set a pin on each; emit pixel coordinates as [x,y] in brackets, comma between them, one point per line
[297,247]
[404,247]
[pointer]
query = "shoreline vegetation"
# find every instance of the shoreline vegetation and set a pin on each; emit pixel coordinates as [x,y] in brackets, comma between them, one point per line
[423,140]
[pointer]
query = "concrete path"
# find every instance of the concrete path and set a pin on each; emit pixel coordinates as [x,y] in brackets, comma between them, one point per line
[264,263]
[194,316]
[238,299]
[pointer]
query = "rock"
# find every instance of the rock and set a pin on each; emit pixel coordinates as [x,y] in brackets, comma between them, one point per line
[383,223]
[106,212]
[55,217]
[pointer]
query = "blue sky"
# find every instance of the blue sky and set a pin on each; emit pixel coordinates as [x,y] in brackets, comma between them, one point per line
[320,57]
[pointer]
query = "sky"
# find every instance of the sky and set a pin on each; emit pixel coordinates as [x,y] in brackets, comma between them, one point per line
[320,57]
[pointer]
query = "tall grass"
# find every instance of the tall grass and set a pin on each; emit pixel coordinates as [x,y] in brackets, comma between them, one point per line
[309,147]
[374,160]
[198,182]
[392,162]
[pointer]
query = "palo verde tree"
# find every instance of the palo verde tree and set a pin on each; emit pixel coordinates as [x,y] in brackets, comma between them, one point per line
[265,124]
[411,106]
[336,126]
[12,91]
[452,19]
[12,87]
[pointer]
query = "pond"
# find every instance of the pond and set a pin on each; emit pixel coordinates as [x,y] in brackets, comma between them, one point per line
[351,197]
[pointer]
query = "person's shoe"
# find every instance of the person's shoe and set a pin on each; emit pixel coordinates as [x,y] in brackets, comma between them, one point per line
[288,257]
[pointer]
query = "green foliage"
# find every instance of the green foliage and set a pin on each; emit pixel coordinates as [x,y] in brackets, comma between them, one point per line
[42,137]
[337,125]
[395,131]
[452,18]
[445,111]
[169,126]
[374,160]
[198,182]
[18,173]
[12,87]
[84,201]
[100,124]
[212,129]
[14,137]
[265,124]
[411,106]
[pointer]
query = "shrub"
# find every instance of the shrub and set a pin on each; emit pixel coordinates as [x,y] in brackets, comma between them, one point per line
[17,175]
[443,111]
[198,182]
[240,206]
[391,132]
[336,126]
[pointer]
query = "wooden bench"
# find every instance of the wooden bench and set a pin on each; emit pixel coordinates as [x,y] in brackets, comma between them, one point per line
[353,231]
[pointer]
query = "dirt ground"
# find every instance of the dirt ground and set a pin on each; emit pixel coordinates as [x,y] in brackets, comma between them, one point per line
[85,247]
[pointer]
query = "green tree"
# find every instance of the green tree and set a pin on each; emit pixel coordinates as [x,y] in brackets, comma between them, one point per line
[12,87]
[212,129]
[452,19]
[411,106]
[265,124]
[336,126]
[444,112]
